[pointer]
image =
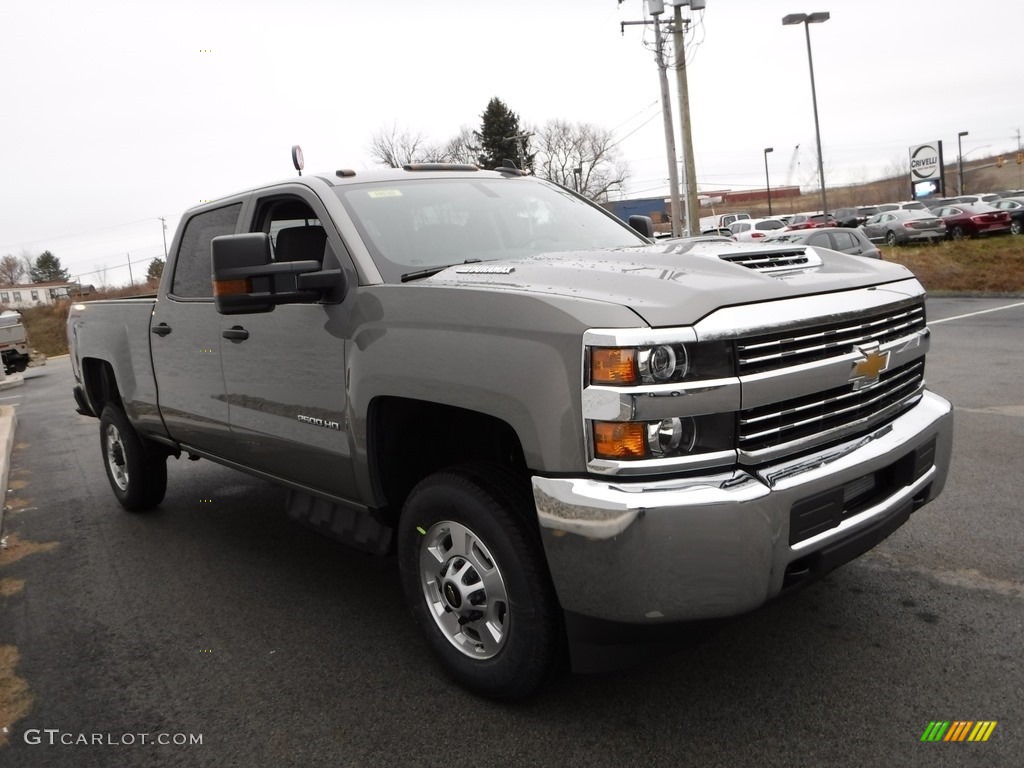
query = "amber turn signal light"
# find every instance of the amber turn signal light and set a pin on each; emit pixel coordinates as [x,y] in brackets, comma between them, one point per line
[613,365]
[231,287]
[620,440]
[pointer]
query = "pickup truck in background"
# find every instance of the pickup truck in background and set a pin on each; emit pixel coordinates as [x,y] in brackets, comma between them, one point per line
[14,347]
[572,438]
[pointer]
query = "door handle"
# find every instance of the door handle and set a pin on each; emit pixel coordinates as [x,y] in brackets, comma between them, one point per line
[161,330]
[236,333]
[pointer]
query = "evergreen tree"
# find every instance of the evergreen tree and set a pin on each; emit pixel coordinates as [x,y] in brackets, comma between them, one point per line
[155,271]
[498,124]
[47,269]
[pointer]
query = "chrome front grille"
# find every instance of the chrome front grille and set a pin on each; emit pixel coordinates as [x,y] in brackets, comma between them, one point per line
[776,424]
[782,349]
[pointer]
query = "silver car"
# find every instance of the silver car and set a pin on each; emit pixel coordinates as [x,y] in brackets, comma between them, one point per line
[901,227]
[841,239]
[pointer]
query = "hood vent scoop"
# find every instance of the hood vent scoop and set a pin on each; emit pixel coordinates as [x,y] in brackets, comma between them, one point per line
[774,260]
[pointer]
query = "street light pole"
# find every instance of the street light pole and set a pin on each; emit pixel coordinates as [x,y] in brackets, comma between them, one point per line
[960,163]
[767,182]
[807,19]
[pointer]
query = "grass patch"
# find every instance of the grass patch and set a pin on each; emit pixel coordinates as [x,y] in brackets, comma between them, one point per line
[984,266]
[47,325]
[15,699]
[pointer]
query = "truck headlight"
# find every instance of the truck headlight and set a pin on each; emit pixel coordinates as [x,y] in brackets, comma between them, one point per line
[660,363]
[669,438]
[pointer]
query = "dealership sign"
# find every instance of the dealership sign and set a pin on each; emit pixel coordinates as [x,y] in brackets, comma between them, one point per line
[926,172]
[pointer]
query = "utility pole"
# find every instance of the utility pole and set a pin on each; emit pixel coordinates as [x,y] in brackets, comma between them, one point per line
[1020,167]
[131,279]
[656,8]
[689,167]
[163,223]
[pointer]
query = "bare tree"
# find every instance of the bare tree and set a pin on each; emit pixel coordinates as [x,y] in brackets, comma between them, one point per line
[11,270]
[396,147]
[897,178]
[464,147]
[581,156]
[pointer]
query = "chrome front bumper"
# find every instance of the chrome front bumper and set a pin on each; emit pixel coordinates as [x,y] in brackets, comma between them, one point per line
[719,545]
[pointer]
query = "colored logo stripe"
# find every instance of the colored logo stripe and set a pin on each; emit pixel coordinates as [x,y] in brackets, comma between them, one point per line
[982,730]
[958,730]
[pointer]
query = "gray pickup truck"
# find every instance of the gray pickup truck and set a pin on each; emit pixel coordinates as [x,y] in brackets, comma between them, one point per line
[573,438]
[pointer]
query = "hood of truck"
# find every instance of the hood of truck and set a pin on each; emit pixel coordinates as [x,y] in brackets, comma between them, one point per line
[668,288]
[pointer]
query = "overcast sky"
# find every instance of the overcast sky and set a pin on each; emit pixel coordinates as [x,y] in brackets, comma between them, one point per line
[117,113]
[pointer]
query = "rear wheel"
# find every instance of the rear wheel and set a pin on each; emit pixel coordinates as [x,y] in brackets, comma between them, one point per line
[476,580]
[136,468]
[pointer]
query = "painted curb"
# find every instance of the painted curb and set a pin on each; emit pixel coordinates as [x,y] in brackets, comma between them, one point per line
[8,423]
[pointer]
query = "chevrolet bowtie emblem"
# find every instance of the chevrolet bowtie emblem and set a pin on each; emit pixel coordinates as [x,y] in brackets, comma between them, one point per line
[866,371]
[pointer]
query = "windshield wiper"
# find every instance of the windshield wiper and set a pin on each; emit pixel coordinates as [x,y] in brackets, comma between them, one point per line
[408,276]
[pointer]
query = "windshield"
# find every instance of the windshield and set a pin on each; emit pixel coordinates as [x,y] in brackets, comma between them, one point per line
[412,225]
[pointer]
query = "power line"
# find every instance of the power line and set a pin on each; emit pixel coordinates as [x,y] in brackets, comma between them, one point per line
[80,234]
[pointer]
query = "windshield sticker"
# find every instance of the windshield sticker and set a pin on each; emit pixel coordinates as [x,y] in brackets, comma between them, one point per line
[385,193]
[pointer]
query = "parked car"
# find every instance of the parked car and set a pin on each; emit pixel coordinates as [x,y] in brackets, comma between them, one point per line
[1016,221]
[1008,203]
[939,202]
[849,217]
[752,230]
[990,198]
[966,220]
[904,205]
[812,221]
[843,239]
[899,227]
[1014,206]
[712,224]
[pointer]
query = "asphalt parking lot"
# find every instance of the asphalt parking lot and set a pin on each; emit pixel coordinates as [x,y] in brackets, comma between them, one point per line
[214,616]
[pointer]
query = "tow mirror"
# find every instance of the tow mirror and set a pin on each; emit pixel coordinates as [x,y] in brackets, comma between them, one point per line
[642,224]
[246,281]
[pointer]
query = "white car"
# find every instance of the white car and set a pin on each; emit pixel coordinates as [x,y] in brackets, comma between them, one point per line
[754,230]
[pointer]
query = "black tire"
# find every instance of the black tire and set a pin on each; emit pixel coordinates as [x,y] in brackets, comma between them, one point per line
[136,468]
[487,510]
[1016,227]
[890,239]
[957,233]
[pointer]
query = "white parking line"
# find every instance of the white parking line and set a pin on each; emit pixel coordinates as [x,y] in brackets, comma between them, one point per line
[979,312]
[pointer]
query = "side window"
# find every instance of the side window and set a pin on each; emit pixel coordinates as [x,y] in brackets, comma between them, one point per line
[5,297]
[296,233]
[192,268]
[820,240]
[844,240]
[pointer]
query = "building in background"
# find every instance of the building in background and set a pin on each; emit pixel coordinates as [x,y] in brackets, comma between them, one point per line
[36,294]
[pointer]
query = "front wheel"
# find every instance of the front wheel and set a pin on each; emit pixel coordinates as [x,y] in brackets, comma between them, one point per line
[957,233]
[890,239]
[136,469]
[477,583]
[1016,227]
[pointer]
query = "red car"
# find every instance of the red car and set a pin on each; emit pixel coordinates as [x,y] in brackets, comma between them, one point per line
[970,220]
[811,221]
